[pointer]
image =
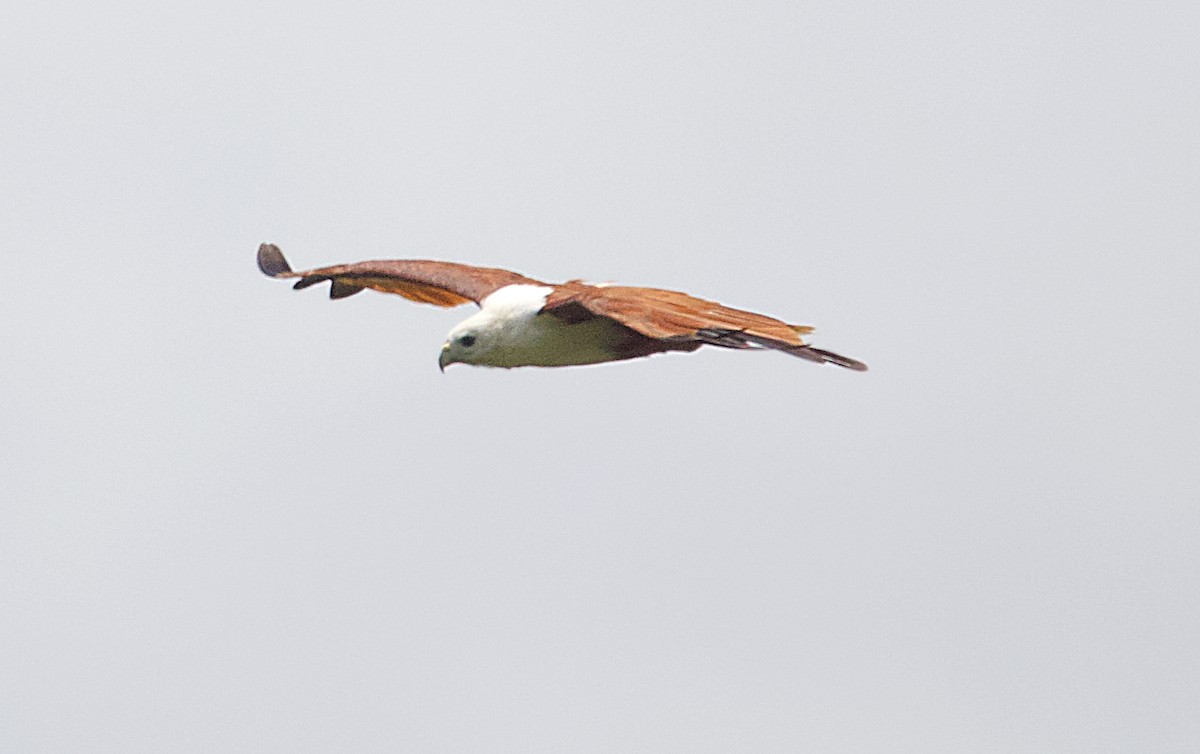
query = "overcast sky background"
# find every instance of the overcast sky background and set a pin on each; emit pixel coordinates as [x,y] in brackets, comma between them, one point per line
[239,518]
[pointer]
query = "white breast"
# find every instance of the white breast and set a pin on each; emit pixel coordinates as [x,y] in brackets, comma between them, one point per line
[527,338]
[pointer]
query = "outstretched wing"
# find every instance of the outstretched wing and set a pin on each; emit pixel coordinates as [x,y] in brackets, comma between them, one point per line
[677,319]
[422,280]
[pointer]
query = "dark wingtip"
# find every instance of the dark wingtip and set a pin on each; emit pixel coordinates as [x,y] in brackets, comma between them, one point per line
[829,357]
[271,261]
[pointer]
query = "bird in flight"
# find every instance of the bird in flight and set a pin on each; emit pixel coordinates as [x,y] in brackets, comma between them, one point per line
[525,322]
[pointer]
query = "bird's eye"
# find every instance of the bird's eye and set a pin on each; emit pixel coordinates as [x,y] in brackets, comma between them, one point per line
[467,341]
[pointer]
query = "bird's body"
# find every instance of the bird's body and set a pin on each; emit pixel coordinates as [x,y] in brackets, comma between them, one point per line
[525,322]
[517,334]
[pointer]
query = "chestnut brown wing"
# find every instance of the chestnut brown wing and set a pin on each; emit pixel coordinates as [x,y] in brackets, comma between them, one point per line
[422,280]
[678,318]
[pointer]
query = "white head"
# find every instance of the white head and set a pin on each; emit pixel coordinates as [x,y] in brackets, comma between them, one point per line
[470,341]
[500,322]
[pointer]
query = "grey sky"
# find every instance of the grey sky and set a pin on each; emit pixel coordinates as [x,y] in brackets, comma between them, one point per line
[238,518]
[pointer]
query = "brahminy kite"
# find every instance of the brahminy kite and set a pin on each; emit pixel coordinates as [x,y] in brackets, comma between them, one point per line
[525,322]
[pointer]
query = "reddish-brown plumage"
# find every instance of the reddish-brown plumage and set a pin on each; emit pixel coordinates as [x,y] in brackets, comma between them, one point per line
[667,315]
[677,321]
[652,320]
[422,280]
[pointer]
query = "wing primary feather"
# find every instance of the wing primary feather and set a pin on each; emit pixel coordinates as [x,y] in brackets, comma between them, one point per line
[821,356]
[271,261]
